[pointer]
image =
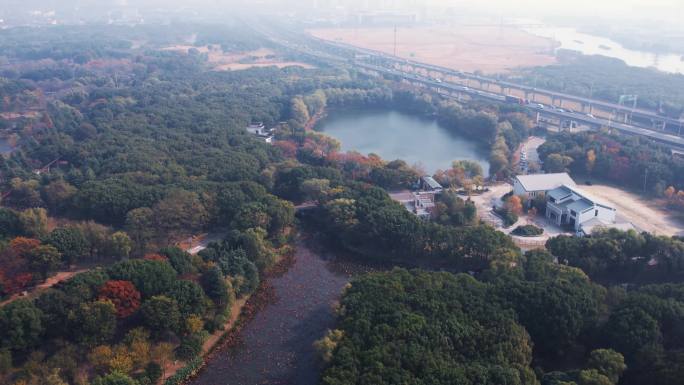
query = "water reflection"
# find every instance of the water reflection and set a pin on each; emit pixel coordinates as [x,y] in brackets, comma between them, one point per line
[395,135]
[587,44]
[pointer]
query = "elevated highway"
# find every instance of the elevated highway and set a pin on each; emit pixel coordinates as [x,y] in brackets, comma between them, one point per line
[562,116]
[599,108]
[446,82]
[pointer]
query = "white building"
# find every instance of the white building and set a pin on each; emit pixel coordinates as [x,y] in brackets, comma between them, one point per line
[261,131]
[534,184]
[568,205]
[423,204]
[258,129]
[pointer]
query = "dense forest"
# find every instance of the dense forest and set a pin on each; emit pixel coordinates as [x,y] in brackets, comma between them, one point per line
[537,323]
[123,150]
[121,153]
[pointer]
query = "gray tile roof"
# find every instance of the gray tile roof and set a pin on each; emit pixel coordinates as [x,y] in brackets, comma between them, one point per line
[559,193]
[545,182]
[580,205]
[430,181]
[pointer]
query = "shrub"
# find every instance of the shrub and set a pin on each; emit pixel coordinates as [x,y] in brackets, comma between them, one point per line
[509,218]
[190,346]
[153,371]
[185,372]
[528,231]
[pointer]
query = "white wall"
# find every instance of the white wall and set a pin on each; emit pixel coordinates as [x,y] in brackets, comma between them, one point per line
[518,188]
[604,214]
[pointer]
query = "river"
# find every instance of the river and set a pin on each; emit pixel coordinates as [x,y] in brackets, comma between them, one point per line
[571,39]
[396,135]
[276,346]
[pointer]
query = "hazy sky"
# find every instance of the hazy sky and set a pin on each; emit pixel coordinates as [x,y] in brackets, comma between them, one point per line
[665,10]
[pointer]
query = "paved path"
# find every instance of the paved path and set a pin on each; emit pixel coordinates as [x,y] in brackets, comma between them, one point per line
[48,283]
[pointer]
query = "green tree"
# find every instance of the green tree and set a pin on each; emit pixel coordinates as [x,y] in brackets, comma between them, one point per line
[315,189]
[557,163]
[34,222]
[607,362]
[140,225]
[44,259]
[315,101]
[70,242]
[189,296]
[299,112]
[21,323]
[150,277]
[190,346]
[56,307]
[58,195]
[569,301]
[10,224]
[631,329]
[215,286]
[114,378]
[593,377]
[181,212]
[5,361]
[95,322]
[160,314]
[179,259]
[120,245]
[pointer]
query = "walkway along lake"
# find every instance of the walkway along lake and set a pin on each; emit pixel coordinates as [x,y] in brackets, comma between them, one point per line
[395,135]
[276,346]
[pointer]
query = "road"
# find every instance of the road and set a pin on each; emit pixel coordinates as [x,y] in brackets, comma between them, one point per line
[504,84]
[344,54]
[662,137]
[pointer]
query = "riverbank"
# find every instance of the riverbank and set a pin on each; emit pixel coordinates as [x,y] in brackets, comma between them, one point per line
[243,311]
[274,344]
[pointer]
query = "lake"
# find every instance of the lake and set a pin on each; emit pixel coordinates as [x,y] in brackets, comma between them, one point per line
[571,39]
[396,135]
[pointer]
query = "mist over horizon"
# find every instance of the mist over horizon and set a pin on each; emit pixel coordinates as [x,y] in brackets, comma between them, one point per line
[661,10]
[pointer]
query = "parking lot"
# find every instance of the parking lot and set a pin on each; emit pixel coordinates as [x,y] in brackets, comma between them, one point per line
[527,153]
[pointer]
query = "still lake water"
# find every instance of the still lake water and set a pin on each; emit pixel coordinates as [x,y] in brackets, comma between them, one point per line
[395,135]
[571,39]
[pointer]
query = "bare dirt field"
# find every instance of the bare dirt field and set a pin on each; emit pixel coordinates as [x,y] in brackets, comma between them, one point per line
[644,214]
[490,49]
[233,61]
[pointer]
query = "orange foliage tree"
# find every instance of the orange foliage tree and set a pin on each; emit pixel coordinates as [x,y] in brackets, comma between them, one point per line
[124,296]
[514,205]
[14,265]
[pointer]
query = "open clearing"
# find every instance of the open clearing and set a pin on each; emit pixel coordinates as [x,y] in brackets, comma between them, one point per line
[643,214]
[490,49]
[233,61]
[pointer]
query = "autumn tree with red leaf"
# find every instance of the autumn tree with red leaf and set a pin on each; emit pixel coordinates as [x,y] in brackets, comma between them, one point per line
[155,257]
[14,275]
[124,296]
